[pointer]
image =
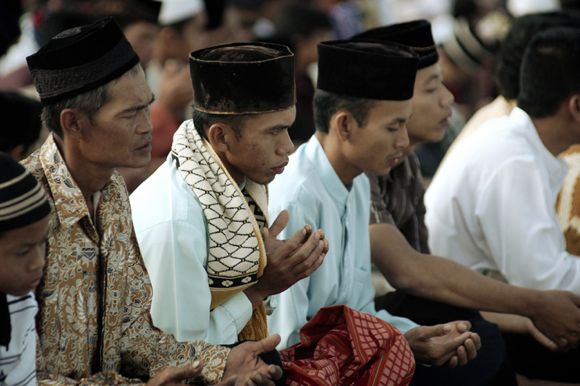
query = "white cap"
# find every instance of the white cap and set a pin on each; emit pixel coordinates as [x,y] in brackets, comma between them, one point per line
[523,7]
[173,11]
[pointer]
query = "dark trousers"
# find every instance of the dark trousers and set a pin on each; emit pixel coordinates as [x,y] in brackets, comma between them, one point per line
[532,360]
[488,368]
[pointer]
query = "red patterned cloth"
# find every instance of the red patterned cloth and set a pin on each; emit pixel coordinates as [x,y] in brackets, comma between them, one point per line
[341,346]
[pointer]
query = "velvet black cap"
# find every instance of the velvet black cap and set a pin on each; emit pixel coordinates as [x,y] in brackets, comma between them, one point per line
[80,59]
[414,34]
[369,70]
[243,78]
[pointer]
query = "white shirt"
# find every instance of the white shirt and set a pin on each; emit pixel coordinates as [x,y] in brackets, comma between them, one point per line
[313,194]
[172,234]
[18,362]
[491,206]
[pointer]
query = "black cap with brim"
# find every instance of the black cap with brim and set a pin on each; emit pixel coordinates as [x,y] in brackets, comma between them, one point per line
[369,70]
[224,85]
[414,34]
[80,59]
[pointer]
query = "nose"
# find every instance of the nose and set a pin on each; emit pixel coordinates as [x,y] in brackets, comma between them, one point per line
[402,141]
[447,99]
[144,125]
[38,258]
[286,146]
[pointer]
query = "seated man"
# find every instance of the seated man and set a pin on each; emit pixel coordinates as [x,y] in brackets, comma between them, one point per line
[491,204]
[361,110]
[95,294]
[24,211]
[199,217]
[399,237]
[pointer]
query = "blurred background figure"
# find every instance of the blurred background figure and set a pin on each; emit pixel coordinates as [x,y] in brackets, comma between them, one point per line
[301,27]
[21,125]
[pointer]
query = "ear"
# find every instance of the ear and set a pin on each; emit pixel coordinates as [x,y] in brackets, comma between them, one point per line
[574,107]
[342,123]
[220,136]
[71,123]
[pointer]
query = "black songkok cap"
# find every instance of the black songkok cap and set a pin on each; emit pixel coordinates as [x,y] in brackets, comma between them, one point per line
[369,70]
[243,78]
[80,59]
[414,34]
[22,199]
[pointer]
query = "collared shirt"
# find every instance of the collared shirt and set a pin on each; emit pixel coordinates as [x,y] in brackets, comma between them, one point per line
[18,360]
[172,233]
[397,199]
[313,194]
[491,207]
[95,295]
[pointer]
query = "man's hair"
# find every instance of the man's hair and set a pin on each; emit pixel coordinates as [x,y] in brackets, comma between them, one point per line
[88,102]
[550,71]
[202,121]
[509,59]
[326,104]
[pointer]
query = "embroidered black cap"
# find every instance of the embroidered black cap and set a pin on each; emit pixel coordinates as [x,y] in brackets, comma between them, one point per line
[243,78]
[80,59]
[369,70]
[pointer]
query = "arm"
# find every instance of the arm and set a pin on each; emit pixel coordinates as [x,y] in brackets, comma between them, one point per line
[555,313]
[175,254]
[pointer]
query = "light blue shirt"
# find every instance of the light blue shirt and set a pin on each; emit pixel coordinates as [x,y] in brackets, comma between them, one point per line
[172,233]
[313,194]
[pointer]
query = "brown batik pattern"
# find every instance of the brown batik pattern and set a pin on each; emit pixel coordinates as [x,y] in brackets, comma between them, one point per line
[95,281]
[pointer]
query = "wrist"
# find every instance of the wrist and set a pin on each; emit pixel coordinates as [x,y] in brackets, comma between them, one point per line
[255,295]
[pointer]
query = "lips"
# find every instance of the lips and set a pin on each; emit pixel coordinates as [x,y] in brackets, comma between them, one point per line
[279,169]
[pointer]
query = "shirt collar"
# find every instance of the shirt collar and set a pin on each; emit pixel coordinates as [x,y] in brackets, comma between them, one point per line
[555,166]
[330,180]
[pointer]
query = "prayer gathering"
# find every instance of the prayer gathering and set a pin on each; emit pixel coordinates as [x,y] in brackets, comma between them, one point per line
[290,192]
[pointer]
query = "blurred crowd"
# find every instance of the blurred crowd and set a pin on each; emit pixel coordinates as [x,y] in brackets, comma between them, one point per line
[468,34]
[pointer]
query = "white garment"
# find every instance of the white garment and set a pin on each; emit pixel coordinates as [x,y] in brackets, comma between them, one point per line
[313,194]
[491,205]
[18,362]
[172,234]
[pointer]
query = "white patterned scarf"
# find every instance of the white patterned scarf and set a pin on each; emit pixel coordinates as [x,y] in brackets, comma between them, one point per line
[236,252]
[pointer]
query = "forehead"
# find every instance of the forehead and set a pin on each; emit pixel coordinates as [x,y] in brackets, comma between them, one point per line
[384,112]
[130,88]
[282,118]
[427,74]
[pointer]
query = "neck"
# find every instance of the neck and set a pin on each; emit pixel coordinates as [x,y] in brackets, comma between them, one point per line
[232,170]
[89,176]
[554,133]
[345,170]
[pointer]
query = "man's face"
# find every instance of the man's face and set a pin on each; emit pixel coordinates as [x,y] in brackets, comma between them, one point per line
[119,134]
[22,253]
[142,35]
[380,144]
[263,145]
[431,106]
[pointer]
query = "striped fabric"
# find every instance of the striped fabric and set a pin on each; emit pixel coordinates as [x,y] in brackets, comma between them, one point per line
[18,360]
[22,199]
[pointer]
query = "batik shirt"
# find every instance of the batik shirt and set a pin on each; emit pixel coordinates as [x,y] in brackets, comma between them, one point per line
[397,199]
[95,295]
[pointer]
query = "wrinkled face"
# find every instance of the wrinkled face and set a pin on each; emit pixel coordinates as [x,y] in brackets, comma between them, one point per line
[431,106]
[119,134]
[380,144]
[142,35]
[22,253]
[263,145]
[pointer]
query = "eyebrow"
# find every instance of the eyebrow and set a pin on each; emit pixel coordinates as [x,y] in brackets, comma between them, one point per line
[278,127]
[431,77]
[399,121]
[138,107]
